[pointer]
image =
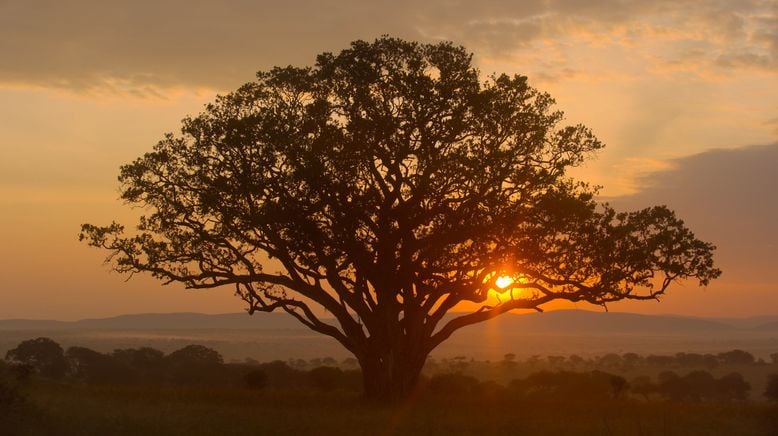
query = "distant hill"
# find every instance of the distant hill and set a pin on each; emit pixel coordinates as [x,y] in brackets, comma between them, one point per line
[768,326]
[163,321]
[752,322]
[271,336]
[580,322]
[557,322]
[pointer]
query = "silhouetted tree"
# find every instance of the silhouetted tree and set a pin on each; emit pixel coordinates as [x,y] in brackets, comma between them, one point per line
[736,357]
[610,360]
[195,354]
[255,379]
[43,354]
[618,385]
[631,359]
[349,363]
[671,386]
[569,384]
[195,364]
[660,361]
[93,367]
[325,378]
[576,360]
[690,359]
[509,361]
[555,360]
[732,387]
[280,374]
[9,390]
[642,385]
[148,362]
[454,384]
[771,389]
[699,385]
[384,186]
[774,358]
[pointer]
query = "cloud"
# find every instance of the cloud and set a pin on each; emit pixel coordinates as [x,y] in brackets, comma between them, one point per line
[85,44]
[143,46]
[726,197]
[774,124]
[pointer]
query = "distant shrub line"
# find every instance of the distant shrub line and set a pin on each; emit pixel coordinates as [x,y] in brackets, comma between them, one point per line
[571,377]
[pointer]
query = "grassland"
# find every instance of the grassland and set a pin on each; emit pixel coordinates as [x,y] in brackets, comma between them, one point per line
[73,409]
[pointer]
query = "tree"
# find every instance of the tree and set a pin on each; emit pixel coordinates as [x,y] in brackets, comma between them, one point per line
[732,387]
[381,188]
[146,361]
[736,357]
[771,389]
[43,354]
[195,364]
[195,355]
[642,385]
[256,379]
[93,367]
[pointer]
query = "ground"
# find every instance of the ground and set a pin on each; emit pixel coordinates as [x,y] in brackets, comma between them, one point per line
[70,409]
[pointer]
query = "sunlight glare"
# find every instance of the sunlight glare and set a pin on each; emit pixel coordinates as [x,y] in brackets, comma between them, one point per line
[503,281]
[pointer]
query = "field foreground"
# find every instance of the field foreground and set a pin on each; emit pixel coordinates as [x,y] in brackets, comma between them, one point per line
[72,409]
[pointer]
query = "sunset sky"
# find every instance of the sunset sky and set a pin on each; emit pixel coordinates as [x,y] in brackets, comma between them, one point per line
[683,93]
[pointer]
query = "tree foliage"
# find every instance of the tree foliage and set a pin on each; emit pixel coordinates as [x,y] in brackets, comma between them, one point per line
[42,354]
[384,186]
[771,390]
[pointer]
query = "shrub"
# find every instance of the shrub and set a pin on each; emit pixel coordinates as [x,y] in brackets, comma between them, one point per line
[454,384]
[255,379]
[43,354]
[771,390]
[325,378]
[732,387]
[10,397]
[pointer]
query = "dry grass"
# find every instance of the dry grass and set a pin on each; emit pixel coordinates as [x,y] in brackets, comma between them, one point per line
[63,409]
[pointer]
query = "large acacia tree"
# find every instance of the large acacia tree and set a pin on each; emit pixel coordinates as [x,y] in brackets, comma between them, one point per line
[371,194]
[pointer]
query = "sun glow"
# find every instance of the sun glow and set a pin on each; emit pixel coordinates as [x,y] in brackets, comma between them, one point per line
[503,282]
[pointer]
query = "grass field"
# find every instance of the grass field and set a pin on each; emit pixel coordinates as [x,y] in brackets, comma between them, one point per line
[68,409]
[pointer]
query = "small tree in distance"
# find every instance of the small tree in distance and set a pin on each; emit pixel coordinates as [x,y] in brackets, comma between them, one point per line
[43,354]
[771,389]
[383,187]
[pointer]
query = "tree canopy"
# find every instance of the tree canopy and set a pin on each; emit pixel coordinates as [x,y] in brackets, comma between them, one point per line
[370,194]
[42,354]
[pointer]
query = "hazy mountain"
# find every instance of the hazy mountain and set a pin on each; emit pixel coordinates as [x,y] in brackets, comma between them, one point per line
[163,321]
[270,336]
[580,322]
[769,326]
[556,322]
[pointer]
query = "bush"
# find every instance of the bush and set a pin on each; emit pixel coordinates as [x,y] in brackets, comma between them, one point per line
[255,379]
[642,385]
[43,354]
[771,390]
[736,357]
[325,378]
[195,365]
[93,367]
[454,384]
[595,384]
[732,387]
[10,397]
[702,386]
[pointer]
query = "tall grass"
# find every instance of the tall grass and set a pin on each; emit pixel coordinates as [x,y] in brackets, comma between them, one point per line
[67,409]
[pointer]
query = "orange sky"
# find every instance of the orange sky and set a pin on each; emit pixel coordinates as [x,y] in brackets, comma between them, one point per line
[86,86]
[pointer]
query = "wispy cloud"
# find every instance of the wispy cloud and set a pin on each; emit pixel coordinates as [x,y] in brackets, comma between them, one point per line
[138,47]
[774,124]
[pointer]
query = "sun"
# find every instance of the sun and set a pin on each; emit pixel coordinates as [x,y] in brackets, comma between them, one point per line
[503,282]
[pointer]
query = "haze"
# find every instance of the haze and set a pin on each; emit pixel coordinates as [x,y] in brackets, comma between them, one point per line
[683,93]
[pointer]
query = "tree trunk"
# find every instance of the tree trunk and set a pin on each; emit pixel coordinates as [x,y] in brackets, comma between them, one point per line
[390,377]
